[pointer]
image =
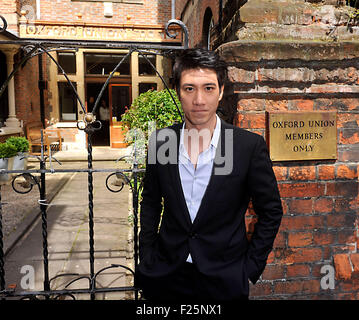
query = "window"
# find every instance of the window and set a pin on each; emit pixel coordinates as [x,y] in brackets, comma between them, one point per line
[144,87]
[144,67]
[104,64]
[67,102]
[353,3]
[67,61]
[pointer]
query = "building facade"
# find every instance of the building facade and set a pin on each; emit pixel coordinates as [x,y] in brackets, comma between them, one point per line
[296,56]
[41,91]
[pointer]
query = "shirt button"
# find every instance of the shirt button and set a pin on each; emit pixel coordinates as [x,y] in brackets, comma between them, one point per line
[193,235]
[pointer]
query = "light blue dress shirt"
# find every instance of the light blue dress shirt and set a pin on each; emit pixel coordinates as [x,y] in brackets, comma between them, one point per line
[195,180]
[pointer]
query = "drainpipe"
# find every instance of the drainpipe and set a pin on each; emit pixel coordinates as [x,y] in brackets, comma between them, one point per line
[173,7]
[41,91]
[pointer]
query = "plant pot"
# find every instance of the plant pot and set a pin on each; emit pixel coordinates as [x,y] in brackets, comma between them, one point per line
[6,163]
[19,163]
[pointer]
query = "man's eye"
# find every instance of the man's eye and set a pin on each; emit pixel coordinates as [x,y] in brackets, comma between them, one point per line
[209,88]
[189,89]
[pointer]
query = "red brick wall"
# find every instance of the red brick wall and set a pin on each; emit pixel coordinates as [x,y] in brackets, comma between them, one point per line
[320,198]
[152,12]
[195,14]
[10,8]
[27,98]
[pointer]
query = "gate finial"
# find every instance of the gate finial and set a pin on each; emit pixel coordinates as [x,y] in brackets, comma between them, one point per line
[4,22]
[183,27]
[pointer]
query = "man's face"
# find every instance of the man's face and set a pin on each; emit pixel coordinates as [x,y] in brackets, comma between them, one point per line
[199,93]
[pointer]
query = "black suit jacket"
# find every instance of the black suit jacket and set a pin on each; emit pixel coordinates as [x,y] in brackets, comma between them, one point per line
[217,237]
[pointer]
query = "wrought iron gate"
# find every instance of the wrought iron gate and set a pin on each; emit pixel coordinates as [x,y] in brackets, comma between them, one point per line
[89,125]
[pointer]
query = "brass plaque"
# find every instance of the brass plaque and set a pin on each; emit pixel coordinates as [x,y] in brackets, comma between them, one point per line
[302,135]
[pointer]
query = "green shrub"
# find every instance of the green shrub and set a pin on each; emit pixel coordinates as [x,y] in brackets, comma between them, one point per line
[7,150]
[20,143]
[152,106]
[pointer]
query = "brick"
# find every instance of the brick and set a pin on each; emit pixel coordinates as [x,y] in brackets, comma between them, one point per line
[326,172]
[300,239]
[342,266]
[301,105]
[251,105]
[354,257]
[323,205]
[272,272]
[297,270]
[252,120]
[344,205]
[342,248]
[281,173]
[310,189]
[349,153]
[300,206]
[297,286]
[241,121]
[271,257]
[284,206]
[344,189]
[250,223]
[346,236]
[240,75]
[276,105]
[337,220]
[347,120]
[348,136]
[260,289]
[301,223]
[349,286]
[298,255]
[302,173]
[323,237]
[280,240]
[346,172]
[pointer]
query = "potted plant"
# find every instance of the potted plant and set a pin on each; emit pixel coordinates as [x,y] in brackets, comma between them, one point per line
[7,154]
[22,146]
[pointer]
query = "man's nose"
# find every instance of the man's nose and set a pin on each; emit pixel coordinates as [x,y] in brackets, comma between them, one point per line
[199,97]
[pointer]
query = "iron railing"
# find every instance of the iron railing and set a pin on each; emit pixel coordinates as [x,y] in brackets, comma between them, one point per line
[89,124]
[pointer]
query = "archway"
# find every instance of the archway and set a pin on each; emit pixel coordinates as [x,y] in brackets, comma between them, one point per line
[207,26]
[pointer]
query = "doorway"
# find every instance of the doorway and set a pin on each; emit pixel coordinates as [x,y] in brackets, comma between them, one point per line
[119,100]
[102,137]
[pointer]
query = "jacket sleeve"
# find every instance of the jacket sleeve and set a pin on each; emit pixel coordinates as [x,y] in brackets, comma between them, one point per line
[151,204]
[267,205]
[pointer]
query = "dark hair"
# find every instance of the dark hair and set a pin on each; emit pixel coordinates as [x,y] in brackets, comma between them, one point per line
[199,58]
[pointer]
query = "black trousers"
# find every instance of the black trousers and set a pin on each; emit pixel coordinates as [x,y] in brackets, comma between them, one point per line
[187,284]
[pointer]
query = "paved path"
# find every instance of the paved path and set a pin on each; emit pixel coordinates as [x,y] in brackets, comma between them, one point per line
[68,237]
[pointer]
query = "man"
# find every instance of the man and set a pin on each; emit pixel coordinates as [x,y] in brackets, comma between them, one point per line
[197,248]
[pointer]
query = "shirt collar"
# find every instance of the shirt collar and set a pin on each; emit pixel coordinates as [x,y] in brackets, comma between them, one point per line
[215,136]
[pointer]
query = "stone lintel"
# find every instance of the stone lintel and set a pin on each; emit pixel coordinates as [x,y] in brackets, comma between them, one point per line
[244,50]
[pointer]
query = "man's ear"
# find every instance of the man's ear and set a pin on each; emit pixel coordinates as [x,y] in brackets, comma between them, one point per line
[221,93]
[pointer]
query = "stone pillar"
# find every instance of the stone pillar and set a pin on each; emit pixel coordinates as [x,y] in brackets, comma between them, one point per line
[11,121]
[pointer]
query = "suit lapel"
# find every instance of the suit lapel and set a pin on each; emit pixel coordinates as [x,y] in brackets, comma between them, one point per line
[215,181]
[177,185]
